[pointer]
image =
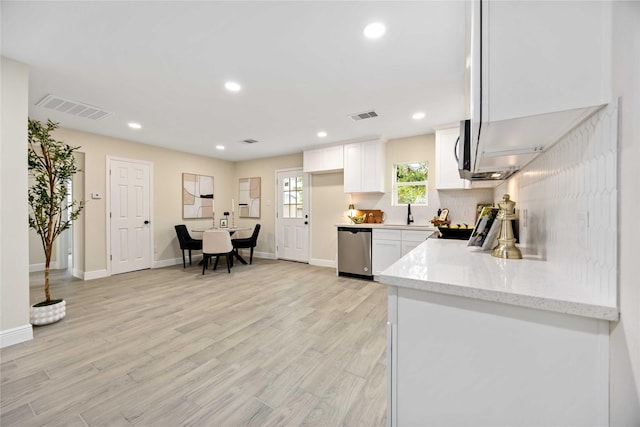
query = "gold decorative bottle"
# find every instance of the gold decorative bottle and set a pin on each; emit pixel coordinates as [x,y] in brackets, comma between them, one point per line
[506,242]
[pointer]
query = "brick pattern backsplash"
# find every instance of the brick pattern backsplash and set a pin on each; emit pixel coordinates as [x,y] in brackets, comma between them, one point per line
[567,202]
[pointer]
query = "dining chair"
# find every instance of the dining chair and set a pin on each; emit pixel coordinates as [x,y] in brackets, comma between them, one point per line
[246,243]
[187,242]
[216,243]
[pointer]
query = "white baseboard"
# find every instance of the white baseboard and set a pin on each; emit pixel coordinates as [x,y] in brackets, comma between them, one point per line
[256,254]
[40,267]
[77,273]
[322,262]
[175,261]
[36,267]
[97,274]
[16,335]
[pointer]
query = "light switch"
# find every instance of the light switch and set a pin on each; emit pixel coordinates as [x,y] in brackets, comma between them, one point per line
[96,195]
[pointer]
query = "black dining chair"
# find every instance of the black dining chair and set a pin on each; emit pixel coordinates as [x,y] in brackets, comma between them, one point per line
[187,242]
[246,243]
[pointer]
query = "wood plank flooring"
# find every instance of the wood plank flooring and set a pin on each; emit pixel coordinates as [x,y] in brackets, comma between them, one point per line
[273,343]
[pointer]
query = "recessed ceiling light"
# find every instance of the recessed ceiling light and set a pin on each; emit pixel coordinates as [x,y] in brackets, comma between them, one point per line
[232,86]
[219,147]
[418,116]
[322,134]
[374,30]
[134,125]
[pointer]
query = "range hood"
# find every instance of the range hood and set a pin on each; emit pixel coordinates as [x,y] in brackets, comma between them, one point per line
[503,147]
[468,154]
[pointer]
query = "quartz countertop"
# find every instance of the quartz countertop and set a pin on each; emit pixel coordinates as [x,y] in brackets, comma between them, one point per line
[391,226]
[450,267]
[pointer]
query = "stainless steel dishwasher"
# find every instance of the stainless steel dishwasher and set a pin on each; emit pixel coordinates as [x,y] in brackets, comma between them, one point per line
[354,252]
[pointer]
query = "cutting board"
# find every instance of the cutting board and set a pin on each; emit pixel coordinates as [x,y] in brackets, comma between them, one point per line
[374,216]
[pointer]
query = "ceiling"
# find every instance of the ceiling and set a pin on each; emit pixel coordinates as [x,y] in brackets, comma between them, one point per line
[304,67]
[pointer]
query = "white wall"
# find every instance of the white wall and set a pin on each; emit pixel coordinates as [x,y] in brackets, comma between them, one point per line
[625,335]
[14,236]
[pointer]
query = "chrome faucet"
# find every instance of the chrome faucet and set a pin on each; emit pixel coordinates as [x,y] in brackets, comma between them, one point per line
[409,216]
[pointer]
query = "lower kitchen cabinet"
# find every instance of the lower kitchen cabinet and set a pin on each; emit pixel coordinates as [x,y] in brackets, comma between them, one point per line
[386,249]
[465,362]
[389,245]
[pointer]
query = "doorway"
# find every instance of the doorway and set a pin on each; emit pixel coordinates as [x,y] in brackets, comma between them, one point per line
[129,216]
[292,216]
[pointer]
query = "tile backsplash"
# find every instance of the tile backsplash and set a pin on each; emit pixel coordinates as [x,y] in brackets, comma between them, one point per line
[461,205]
[567,202]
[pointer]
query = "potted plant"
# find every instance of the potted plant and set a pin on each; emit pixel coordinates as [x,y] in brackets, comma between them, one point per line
[51,166]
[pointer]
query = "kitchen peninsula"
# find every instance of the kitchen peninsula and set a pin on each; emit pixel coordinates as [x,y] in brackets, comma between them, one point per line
[478,340]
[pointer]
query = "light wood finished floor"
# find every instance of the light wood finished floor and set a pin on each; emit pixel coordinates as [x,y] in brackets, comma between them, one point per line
[273,343]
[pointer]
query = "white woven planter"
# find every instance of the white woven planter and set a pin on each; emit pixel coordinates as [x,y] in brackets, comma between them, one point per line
[48,313]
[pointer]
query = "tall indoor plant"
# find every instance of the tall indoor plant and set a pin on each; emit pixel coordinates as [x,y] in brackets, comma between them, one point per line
[51,166]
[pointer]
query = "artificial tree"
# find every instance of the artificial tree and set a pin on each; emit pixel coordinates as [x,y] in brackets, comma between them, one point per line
[51,166]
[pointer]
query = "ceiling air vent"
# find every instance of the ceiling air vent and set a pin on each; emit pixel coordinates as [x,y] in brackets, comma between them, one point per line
[361,116]
[249,141]
[76,108]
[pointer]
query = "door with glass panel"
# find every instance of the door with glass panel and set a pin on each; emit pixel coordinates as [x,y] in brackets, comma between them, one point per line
[292,224]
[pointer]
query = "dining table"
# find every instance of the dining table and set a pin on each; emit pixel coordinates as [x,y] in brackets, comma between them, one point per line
[231,231]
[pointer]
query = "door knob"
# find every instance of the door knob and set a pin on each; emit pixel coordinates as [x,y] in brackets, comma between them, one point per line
[146,221]
[306,222]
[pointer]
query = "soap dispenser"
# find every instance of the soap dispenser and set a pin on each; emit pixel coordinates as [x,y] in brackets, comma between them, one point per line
[506,242]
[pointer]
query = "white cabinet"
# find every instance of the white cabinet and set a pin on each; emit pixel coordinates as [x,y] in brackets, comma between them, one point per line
[364,167]
[465,362]
[326,159]
[389,245]
[447,176]
[413,238]
[386,249]
[536,70]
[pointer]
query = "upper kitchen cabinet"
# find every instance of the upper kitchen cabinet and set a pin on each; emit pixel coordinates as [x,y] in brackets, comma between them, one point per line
[364,167]
[327,159]
[537,69]
[447,177]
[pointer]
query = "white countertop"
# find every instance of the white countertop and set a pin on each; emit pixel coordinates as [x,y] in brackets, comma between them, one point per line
[390,226]
[450,267]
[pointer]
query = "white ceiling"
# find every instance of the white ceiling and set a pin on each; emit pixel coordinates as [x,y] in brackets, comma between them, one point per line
[304,67]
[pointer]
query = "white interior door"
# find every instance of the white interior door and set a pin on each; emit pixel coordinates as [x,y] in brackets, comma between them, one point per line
[293,215]
[130,183]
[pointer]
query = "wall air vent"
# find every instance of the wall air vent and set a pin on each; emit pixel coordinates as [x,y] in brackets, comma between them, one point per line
[361,116]
[76,108]
[249,141]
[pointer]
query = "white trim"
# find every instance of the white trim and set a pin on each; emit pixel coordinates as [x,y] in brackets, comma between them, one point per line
[256,254]
[40,266]
[175,261]
[322,262]
[36,267]
[96,274]
[109,159]
[78,274]
[16,335]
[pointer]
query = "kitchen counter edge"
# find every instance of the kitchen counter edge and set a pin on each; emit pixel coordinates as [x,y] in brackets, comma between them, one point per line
[528,283]
[390,226]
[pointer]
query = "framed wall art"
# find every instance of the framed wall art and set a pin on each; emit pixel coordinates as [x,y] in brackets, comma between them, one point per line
[197,196]
[249,197]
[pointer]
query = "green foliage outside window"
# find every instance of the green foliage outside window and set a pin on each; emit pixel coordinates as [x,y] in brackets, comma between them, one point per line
[410,183]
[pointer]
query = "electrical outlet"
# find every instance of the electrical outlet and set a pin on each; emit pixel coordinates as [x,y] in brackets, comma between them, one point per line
[96,196]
